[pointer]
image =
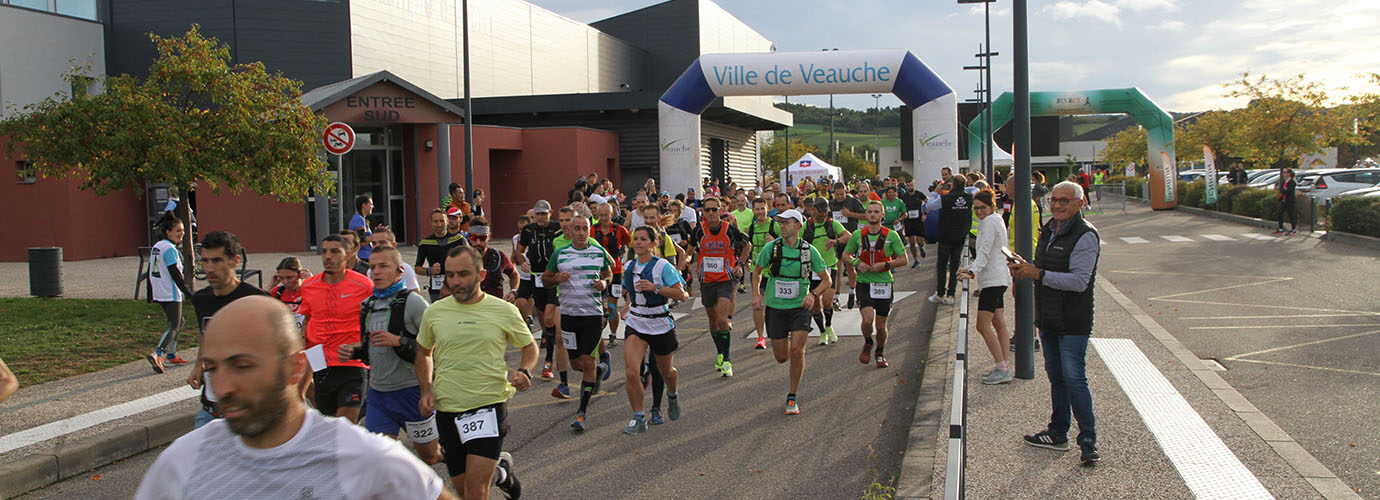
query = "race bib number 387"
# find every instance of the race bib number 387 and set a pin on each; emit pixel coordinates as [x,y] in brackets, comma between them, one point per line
[477,425]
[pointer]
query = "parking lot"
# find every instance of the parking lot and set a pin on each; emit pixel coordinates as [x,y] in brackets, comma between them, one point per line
[1294,323]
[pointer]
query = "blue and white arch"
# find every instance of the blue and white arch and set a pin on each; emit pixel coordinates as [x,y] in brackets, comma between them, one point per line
[934,117]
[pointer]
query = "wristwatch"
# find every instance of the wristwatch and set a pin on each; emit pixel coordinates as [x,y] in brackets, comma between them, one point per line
[525,372]
[658,289]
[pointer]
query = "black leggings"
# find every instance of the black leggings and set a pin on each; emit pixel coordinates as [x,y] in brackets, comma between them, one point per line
[658,383]
[168,342]
[1286,206]
[950,254]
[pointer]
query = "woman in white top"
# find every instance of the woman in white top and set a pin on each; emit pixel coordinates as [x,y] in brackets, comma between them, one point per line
[989,268]
[649,284]
[167,288]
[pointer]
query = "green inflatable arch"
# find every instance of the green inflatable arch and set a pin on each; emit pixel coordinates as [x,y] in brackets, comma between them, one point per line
[1158,122]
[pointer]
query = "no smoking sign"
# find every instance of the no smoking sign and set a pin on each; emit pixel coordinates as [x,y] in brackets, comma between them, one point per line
[339,138]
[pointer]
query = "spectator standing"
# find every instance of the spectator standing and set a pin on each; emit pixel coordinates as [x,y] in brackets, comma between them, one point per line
[989,268]
[359,223]
[1285,192]
[955,219]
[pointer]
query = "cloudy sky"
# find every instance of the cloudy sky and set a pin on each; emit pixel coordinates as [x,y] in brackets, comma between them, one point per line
[1179,52]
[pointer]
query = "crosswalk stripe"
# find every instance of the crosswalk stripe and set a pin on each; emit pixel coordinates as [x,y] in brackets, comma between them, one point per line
[1134,239]
[1260,237]
[1218,237]
[1176,238]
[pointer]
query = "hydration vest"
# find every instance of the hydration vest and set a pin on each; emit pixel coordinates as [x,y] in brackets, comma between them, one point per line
[776,257]
[718,245]
[397,325]
[649,298]
[875,253]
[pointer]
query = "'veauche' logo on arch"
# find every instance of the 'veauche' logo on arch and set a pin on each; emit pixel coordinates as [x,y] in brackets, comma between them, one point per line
[932,142]
[671,147]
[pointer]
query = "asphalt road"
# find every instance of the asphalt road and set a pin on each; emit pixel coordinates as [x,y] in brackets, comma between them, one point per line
[1295,321]
[733,439]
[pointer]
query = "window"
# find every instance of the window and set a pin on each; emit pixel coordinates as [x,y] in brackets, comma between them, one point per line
[29,4]
[22,173]
[85,9]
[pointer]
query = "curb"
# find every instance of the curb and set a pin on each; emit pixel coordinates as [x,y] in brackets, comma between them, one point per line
[923,456]
[42,469]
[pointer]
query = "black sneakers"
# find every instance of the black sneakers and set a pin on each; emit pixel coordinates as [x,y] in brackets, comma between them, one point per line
[510,486]
[1090,454]
[1044,439]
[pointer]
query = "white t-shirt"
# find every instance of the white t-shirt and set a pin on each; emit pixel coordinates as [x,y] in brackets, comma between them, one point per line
[663,274]
[688,214]
[329,458]
[598,198]
[635,219]
[522,275]
[164,254]
[409,276]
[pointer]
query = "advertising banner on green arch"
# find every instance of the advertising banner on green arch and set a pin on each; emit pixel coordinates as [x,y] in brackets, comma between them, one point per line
[1157,122]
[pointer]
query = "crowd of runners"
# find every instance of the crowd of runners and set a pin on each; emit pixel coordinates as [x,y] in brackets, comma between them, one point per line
[419,348]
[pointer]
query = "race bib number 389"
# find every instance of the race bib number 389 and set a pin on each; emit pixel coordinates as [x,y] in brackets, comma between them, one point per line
[477,425]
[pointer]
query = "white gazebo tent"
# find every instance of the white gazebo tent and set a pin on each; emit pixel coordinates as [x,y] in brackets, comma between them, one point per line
[809,166]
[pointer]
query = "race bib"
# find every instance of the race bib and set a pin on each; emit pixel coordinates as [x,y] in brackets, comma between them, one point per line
[438,281]
[536,280]
[838,216]
[299,319]
[914,214]
[422,432]
[713,264]
[477,425]
[617,290]
[568,340]
[787,289]
[880,290]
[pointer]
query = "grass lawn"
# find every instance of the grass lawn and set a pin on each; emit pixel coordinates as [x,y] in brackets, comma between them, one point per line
[47,339]
[818,135]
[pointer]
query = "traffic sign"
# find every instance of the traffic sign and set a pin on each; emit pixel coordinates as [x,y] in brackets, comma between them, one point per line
[339,138]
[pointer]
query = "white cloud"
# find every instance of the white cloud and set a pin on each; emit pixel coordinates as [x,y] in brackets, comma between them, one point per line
[1169,25]
[1096,9]
[1144,5]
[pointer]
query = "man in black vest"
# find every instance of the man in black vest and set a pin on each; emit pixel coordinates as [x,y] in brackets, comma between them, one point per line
[955,220]
[1064,271]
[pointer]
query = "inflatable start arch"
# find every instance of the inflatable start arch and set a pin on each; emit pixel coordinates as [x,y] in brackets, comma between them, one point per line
[935,115]
[1158,122]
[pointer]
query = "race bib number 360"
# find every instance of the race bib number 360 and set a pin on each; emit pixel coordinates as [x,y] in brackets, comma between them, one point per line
[477,425]
[713,264]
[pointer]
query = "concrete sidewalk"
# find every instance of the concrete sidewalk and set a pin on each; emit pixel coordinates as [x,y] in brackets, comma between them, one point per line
[1134,461]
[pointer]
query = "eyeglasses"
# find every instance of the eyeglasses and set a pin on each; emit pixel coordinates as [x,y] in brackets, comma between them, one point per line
[1063,201]
[715,209]
[479,237]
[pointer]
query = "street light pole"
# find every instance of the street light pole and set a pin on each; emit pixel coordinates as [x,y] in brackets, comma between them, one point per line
[1024,289]
[833,152]
[469,116]
[987,122]
[877,133]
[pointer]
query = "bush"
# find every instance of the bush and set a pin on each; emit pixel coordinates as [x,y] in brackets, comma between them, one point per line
[1356,216]
[1193,193]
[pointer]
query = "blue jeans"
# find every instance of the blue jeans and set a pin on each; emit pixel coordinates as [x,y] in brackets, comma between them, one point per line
[1066,366]
[203,417]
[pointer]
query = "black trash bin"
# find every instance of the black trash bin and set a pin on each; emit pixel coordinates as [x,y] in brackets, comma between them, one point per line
[45,271]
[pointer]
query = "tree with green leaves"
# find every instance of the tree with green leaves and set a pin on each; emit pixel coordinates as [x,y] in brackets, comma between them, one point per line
[1284,119]
[774,157]
[1213,129]
[1125,147]
[196,121]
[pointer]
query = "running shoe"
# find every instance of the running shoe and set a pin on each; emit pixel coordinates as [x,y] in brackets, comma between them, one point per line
[1278,232]
[604,365]
[836,305]
[1090,454]
[1291,233]
[546,371]
[156,361]
[561,392]
[996,376]
[175,360]
[673,407]
[851,302]
[636,426]
[1044,439]
[613,340]
[510,486]
[579,423]
[823,338]
[833,337]
[948,300]
[656,417]
[719,363]
[792,408]
[935,298]
[915,264]
[727,370]
[761,343]
[881,361]
[866,356]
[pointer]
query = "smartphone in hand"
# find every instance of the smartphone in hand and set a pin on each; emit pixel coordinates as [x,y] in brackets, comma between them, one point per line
[1010,257]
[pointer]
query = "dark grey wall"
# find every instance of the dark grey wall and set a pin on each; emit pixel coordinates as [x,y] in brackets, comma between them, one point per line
[668,31]
[307,40]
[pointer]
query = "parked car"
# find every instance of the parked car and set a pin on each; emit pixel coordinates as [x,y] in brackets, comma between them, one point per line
[1367,192]
[1323,185]
[1265,180]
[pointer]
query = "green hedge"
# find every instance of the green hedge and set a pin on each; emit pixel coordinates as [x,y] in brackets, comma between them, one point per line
[1356,216]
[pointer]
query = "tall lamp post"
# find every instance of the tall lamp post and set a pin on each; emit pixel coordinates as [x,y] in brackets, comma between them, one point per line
[877,133]
[983,162]
[987,84]
[469,117]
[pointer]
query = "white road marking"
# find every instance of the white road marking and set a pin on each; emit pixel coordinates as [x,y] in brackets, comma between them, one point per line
[1176,238]
[69,425]
[1208,467]
[1134,239]
[1296,365]
[1256,327]
[1261,237]
[1275,316]
[847,323]
[1302,344]
[1218,237]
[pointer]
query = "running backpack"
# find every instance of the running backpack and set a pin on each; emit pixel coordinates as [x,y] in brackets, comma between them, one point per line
[828,230]
[776,258]
[397,315]
[649,299]
[877,252]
